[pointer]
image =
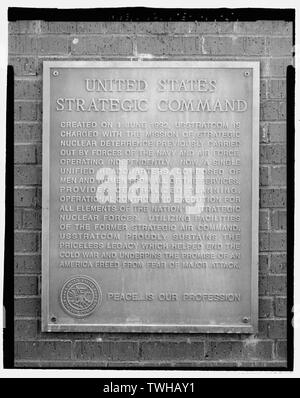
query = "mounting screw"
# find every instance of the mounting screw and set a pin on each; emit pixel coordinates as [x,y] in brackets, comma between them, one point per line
[53,319]
[246,319]
[247,73]
[55,73]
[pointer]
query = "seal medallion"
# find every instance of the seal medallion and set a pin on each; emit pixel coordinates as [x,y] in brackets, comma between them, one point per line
[80,296]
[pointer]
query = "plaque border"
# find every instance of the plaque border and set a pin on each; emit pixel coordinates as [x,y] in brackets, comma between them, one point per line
[46,324]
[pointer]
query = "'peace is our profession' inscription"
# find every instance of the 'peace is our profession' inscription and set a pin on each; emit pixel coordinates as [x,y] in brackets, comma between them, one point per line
[149,196]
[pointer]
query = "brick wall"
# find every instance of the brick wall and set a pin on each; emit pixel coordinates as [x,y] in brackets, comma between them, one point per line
[30,43]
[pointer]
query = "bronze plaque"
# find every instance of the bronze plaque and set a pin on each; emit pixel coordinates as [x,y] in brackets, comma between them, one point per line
[150,196]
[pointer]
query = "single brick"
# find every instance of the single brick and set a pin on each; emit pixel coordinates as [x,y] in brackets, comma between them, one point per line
[263,89]
[278,263]
[26,241]
[264,135]
[281,349]
[280,307]
[264,175]
[279,46]
[273,197]
[272,285]
[28,175]
[278,219]
[93,45]
[263,263]
[277,132]
[27,264]
[217,45]
[32,219]
[108,27]
[278,175]
[27,110]
[39,153]
[27,306]
[264,241]
[278,241]
[43,350]
[26,197]
[58,27]
[23,66]
[25,329]
[172,350]
[106,350]
[258,350]
[264,219]
[262,329]
[119,27]
[23,26]
[18,217]
[254,45]
[277,329]
[22,44]
[52,45]
[263,285]
[28,89]
[272,153]
[162,45]
[264,27]
[277,88]
[273,110]
[39,196]
[224,350]
[25,154]
[266,307]
[214,27]
[90,27]
[188,45]
[27,132]
[179,27]
[25,285]
[272,328]
[154,28]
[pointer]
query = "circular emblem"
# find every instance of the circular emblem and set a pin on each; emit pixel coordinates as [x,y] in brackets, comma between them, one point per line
[80,296]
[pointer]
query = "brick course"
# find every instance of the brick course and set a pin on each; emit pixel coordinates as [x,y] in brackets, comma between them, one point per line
[31,42]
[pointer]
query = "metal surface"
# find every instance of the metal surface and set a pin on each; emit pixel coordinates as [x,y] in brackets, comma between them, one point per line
[150,267]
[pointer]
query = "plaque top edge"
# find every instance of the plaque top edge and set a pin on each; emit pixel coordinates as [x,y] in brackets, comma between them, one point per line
[151,64]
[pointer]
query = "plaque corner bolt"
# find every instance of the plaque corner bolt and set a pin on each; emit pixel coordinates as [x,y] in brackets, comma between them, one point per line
[55,73]
[246,319]
[53,319]
[247,73]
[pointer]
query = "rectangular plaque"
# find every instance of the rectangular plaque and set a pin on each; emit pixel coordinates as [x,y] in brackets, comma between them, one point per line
[150,196]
